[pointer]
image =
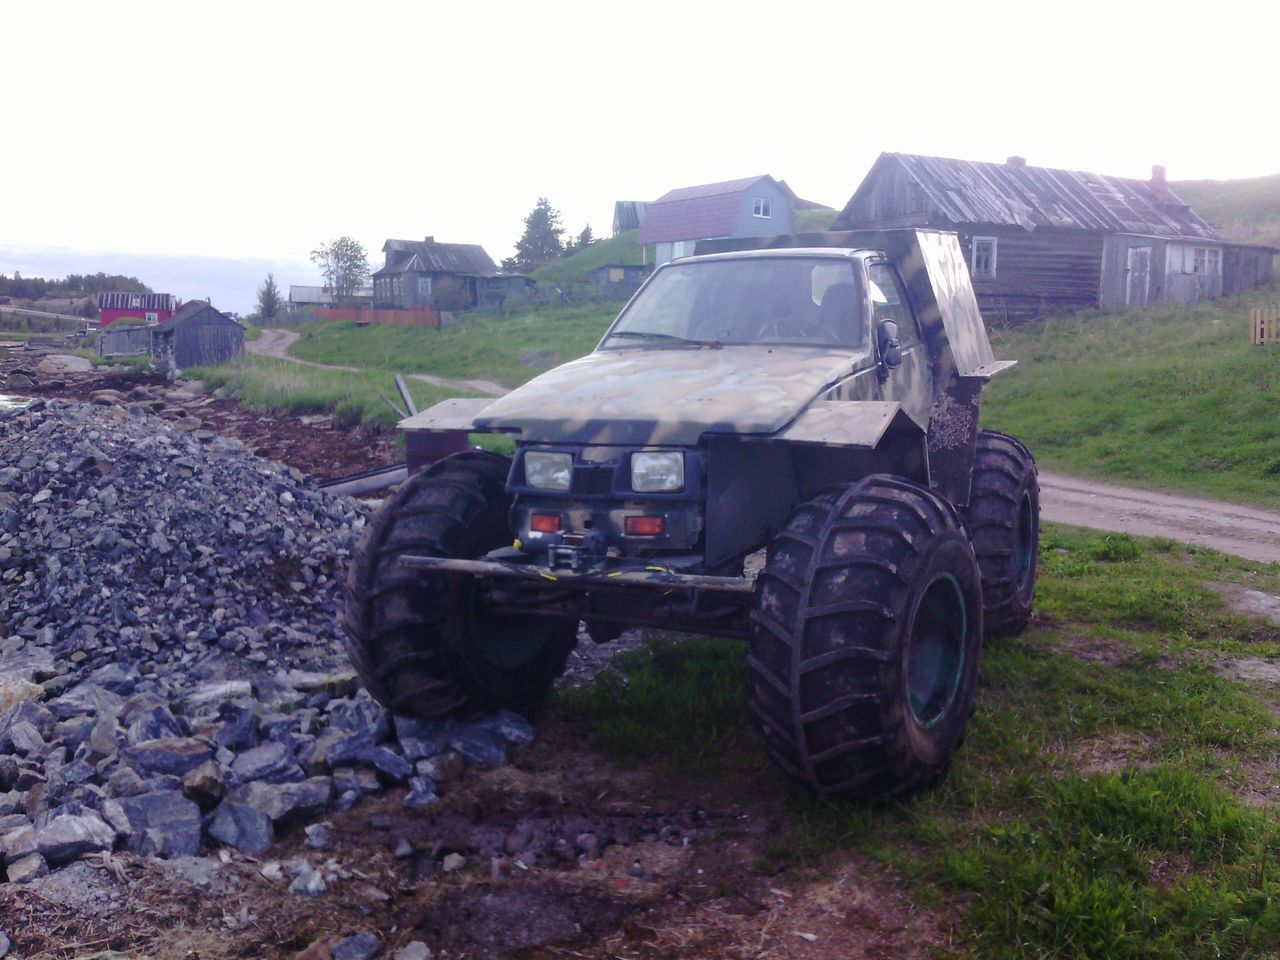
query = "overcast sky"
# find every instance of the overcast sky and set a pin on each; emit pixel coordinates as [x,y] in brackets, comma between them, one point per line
[254,131]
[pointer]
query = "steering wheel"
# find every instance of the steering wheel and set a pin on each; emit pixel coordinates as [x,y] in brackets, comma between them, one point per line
[792,328]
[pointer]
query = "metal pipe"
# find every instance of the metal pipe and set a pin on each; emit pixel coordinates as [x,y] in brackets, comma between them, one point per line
[367,482]
[657,577]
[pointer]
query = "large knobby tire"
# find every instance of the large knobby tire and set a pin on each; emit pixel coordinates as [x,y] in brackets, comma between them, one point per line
[1003,518]
[865,640]
[426,644]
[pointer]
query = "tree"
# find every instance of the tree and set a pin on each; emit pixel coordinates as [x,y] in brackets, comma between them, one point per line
[585,238]
[270,303]
[344,266]
[541,239]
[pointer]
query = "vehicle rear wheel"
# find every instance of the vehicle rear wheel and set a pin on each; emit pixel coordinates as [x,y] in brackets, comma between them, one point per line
[1003,518]
[427,643]
[866,636]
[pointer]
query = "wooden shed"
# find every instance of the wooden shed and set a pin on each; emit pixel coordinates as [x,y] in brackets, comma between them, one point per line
[197,336]
[1041,240]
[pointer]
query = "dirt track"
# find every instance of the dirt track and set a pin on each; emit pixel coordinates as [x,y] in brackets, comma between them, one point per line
[1231,528]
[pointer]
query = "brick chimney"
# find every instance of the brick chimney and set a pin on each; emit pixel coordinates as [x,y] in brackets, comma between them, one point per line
[428,239]
[1016,161]
[1159,186]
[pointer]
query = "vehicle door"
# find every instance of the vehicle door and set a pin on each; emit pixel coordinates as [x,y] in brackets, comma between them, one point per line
[910,383]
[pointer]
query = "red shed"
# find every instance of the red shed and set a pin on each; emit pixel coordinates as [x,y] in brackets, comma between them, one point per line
[148,307]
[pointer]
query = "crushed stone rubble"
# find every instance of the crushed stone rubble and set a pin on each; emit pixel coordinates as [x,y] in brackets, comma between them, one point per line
[172,677]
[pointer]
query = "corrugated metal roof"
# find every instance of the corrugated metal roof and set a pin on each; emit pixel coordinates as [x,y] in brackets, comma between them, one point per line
[628,214]
[695,213]
[135,301]
[469,259]
[967,191]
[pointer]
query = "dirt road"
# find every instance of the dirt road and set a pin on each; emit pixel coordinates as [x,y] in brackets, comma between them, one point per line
[1243,531]
[275,342]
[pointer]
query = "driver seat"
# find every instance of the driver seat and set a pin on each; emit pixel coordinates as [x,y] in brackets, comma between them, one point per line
[841,312]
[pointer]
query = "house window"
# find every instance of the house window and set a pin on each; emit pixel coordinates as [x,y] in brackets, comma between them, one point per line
[1208,260]
[762,207]
[153,318]
[424,288]
[983,258]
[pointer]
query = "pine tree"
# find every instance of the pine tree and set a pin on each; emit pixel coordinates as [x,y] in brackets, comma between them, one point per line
[541,240]
[270,303]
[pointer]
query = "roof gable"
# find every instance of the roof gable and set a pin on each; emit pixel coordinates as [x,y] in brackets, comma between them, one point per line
[189,310]
[1003,194]
[432,257]
[696,213]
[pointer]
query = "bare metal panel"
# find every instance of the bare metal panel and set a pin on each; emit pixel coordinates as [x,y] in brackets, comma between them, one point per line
[458,414]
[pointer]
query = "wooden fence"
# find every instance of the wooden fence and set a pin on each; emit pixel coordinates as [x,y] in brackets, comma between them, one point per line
[1266,325]
[411,318]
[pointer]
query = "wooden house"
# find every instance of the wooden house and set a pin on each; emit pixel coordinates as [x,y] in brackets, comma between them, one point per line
[197,336]
[1040,240]
[424,274]
[754,207]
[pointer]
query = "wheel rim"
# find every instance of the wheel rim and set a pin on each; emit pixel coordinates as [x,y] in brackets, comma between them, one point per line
[935,659]
[506,641]
[1026,552]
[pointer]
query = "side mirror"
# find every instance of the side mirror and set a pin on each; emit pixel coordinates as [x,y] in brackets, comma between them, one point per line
[887,345]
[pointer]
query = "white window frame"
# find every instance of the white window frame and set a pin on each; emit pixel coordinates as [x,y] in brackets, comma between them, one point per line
[1207,261]
[990,273]
[153,318]
[762,207]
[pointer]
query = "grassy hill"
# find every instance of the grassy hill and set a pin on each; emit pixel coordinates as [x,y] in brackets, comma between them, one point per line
[1245,210]
[624,248]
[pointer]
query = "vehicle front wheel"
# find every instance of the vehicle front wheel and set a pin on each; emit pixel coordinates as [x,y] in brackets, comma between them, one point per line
[865,640]
[427,643]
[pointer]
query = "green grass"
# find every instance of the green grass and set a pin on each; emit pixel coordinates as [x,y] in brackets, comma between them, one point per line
[509,350]
[624,249]
[262,383]
[1174,397]
[1101,805]
[814,221]
[1247,210]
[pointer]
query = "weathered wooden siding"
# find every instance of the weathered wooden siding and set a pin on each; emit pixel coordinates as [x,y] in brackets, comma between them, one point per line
[207,341]
[1244,268]
[895,200]
[1037,273]
[124,341]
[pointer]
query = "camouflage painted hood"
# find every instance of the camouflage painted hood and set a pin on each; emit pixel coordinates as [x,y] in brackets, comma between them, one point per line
[668,395]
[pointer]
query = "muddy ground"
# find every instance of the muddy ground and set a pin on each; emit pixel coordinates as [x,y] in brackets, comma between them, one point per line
[677,874]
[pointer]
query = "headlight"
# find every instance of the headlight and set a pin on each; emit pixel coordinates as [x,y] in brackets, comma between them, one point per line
[657,472]
[548,471]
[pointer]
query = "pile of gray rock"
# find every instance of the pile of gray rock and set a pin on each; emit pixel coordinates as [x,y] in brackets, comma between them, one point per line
[171,669]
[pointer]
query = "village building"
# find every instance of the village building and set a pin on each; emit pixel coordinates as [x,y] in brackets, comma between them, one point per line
[426,275]
[145,307]
[1041,240]
[753,207]
[197,336]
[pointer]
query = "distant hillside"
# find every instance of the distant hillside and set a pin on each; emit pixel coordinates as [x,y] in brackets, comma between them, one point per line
[1245,210]
[814,221]
[624,248]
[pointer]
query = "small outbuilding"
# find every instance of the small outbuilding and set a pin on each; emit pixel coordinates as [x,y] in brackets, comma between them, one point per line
[619,280]
[197,336]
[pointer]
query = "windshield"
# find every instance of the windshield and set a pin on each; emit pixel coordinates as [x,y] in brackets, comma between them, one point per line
[808,301]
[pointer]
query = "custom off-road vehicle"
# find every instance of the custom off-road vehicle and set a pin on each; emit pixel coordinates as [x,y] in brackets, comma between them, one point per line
[814,395]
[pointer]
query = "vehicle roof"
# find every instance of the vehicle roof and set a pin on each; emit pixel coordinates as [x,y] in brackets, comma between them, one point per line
[780,253]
